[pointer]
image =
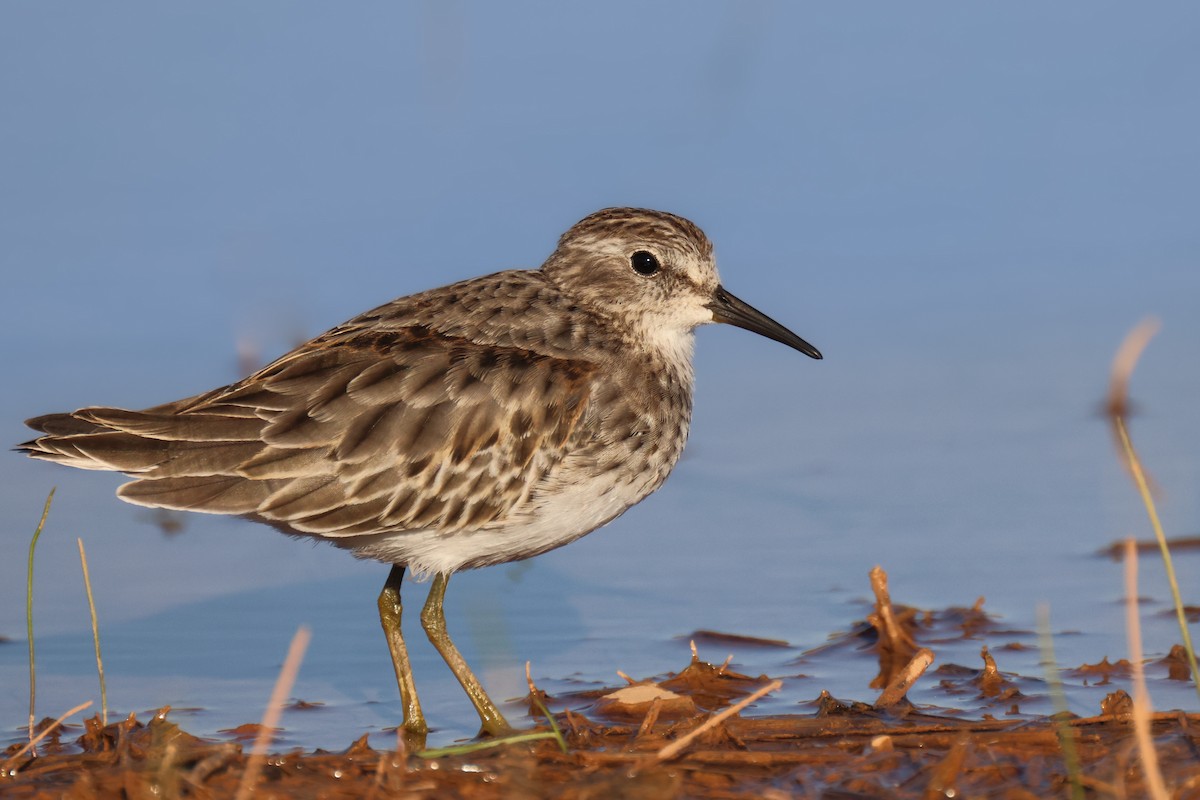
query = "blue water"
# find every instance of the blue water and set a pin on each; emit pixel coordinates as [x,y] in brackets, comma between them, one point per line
[963,207]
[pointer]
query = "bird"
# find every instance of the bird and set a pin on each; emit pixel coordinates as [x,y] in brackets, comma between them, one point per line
[479,423]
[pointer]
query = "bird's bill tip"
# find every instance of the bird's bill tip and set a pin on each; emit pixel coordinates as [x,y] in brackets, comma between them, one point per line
[729,309]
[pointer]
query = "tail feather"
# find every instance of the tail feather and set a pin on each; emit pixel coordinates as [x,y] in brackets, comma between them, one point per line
[217,494]
[175,427]
[60,425]
[103,449]
[187,460]
[152,444]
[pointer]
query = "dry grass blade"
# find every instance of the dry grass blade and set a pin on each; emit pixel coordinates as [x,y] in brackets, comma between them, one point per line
[890,630]
[29,614]
[679,745]
[283,686]
[87,584]
[32,743]
[1142,710]
[1118,408]
[1128,354]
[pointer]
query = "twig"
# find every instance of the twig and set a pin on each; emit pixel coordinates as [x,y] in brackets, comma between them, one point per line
[904,680]
[651,717]
[1142,709]
[15,757]
[283,686]
[680,744]
[895,636]
[87,584]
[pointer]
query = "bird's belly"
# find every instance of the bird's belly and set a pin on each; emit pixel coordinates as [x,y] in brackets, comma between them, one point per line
[557,517]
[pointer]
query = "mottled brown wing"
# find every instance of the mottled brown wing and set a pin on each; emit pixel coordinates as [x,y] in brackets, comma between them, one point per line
[359,432]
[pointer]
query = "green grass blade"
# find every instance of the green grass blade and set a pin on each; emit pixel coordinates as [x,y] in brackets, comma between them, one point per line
[1143,487]
[1066,737]
[440,752]
[29,613]
[558,735]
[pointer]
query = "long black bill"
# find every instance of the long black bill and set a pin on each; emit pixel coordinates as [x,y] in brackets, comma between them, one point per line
[727,308]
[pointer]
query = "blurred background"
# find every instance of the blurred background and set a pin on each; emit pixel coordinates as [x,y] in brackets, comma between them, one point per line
[964,206]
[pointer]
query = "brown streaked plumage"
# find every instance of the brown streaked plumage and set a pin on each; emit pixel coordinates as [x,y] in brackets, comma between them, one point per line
[482,422]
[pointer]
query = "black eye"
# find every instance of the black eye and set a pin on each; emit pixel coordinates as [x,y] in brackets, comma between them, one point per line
[644,263]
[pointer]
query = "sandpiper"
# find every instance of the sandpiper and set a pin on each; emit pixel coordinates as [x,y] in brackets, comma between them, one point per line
[479,423]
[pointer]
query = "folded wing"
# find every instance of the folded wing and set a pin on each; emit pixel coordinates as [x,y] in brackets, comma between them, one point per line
[359,432]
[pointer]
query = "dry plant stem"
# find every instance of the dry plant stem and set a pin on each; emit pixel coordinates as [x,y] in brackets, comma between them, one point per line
[1124,361]
[283,686]
[943,782]
[899,687]
[29,746]
[1142,710]
[1143,486]
[883,601]
[87,584]
[167,776]
[29,614]
[892,631]
[680,744]
[651,717]
[1066,738]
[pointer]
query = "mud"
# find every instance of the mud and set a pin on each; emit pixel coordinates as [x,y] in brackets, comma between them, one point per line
[843,750]
[612,740]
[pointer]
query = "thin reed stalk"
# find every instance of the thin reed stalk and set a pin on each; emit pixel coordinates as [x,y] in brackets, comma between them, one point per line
[1118,409]
[87,584]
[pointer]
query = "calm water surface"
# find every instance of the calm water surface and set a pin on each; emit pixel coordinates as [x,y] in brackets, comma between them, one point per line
[964,474]
[964,208]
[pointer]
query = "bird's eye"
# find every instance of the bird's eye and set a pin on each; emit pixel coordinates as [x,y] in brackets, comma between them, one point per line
[644,262]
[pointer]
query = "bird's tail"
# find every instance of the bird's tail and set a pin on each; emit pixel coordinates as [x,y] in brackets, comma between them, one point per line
[85,439]
[182,461]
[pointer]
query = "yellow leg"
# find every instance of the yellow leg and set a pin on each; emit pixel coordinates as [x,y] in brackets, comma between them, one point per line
[415,728]
[433,619]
